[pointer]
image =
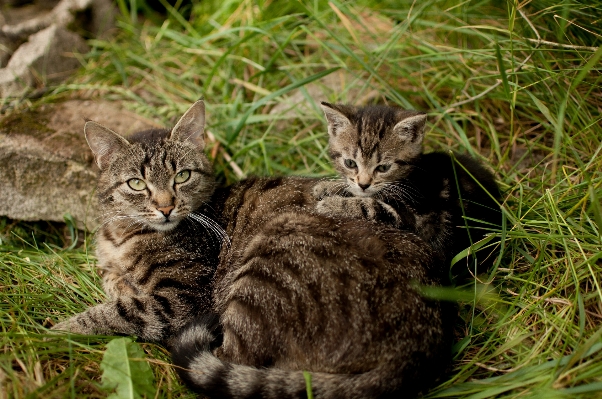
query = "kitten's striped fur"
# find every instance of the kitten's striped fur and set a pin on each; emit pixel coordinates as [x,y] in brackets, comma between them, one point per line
[377,151]
[298,290]
[156,260]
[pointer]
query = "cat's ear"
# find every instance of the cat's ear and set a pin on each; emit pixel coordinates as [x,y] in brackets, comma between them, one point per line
[411,129]
[191,126]
[103,142]
[336,120]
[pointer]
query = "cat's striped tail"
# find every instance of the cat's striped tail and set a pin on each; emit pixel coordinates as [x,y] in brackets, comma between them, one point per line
[206,374]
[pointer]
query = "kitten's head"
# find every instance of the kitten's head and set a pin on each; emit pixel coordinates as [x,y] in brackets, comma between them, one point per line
[155,178]
[369,146]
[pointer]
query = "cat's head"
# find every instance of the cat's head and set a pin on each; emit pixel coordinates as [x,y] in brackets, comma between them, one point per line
[155,178]
[370,146]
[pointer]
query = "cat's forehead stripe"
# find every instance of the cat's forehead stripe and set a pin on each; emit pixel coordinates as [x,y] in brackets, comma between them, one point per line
[164,157]
[370,130]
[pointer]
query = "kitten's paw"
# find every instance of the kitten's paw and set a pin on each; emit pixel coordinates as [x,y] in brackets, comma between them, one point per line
[327,188]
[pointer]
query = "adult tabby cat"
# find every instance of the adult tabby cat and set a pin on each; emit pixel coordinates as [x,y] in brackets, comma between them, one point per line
[152,189]
[298,290]
[385,176]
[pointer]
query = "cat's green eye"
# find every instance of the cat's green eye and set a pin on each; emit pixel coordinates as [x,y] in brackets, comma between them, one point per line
[137,184]
[182,176]
[350,163]
[383,168]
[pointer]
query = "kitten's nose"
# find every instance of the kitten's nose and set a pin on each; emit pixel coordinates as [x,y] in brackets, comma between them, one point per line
[165,210]
[364,186]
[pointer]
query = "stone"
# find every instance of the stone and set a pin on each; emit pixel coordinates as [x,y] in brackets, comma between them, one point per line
[40,15]
[37,41]
[43,57]
[46,167]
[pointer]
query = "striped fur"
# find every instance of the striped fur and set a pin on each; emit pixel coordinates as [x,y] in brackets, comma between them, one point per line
[377,151]
[297,290]
[156,259]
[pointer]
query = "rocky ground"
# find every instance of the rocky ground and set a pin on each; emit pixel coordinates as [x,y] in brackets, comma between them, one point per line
[46,167]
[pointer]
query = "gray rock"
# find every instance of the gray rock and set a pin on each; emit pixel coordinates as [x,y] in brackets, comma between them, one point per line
[42,57]
[46,167]
[36,43]
[14,13]
[24,21]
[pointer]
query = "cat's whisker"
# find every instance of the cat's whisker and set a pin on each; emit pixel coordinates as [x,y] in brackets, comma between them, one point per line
[113,219]
[211,225]
[211,222]
[218,235]
[197,226]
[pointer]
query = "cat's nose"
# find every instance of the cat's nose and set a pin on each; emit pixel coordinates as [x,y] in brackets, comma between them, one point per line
[165,210]
[364,186]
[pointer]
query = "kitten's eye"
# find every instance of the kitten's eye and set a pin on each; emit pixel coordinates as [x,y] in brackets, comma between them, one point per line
[137,184]
[383,168]
[182,176]
[350,163]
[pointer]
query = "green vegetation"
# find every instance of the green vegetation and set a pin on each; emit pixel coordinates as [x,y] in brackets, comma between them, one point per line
[518,87]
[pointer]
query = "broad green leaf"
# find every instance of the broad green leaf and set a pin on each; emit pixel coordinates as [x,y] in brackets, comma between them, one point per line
[125,372]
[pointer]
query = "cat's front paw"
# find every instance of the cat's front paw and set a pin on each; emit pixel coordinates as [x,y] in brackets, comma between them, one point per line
[327,188]
[358,208]
[71,325]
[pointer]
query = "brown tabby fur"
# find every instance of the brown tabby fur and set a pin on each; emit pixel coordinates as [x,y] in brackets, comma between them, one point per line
[294,291]
[156,277]
[450,202]
[297,291]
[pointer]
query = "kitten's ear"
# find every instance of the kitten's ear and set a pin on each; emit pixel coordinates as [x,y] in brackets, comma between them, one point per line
[412,128]
[103,142]
[336,120]
[191,126]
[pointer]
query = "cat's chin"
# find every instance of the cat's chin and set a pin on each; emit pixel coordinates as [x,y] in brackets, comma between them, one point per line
[167,225]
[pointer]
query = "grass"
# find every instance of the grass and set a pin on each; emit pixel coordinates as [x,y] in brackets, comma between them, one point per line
[517,87]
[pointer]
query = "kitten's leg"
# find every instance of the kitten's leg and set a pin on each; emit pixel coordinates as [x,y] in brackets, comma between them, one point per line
[148,317]
[356,207]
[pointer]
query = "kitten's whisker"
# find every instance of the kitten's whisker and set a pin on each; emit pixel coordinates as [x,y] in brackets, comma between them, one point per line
[408,187]
[337,188]
[401,193]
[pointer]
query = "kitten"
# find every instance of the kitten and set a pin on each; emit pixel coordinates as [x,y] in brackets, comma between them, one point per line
[385,176]
[156,262]
[298,290]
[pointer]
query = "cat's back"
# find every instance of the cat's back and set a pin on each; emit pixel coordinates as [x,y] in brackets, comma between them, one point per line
[253,202]
[293,279]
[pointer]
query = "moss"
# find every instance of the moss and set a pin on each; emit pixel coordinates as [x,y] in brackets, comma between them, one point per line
[31,123]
